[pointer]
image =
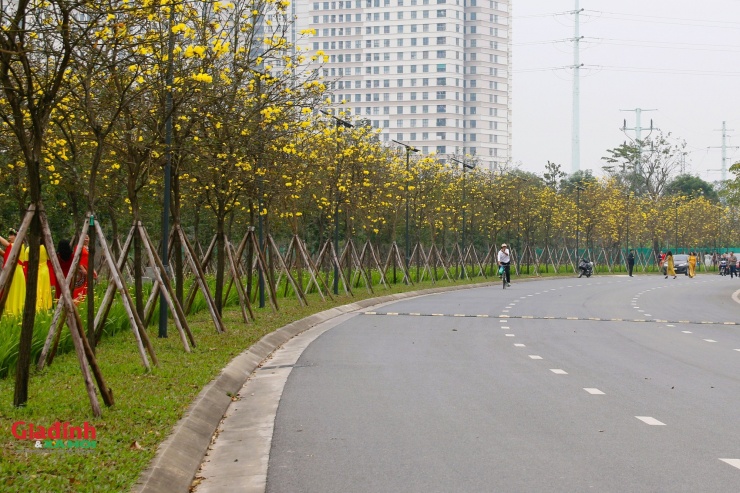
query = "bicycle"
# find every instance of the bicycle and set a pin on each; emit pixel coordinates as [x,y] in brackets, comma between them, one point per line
[503,270]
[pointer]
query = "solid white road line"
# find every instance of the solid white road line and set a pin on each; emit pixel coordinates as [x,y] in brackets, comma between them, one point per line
[650,421]
[593,391]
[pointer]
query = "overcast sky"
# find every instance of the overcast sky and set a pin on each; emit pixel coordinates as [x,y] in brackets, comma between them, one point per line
[678,57]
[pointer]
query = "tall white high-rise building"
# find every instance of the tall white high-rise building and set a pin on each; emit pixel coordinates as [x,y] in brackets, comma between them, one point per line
[434,74]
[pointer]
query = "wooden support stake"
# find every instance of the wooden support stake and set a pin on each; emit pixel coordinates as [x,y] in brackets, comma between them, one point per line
[200,279]
[169,293]
[128,305]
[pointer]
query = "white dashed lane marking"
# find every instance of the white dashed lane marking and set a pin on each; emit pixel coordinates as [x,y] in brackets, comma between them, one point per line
[558,371]
[522,345]
[732,462]
[650,420]
[593,391]
[710,340]
[534,356]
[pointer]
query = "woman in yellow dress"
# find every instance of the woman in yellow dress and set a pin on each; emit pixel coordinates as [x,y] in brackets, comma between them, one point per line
[17,291]
[670,271]
[692,264]
[43,287]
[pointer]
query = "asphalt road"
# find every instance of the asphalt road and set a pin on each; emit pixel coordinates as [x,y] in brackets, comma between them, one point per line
[464,392]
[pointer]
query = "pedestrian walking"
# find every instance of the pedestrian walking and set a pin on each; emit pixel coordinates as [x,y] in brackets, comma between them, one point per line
[692,264]
[732,261]
[670,270]
[630,262]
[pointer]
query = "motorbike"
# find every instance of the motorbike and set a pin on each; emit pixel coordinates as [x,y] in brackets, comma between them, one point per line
[585,267]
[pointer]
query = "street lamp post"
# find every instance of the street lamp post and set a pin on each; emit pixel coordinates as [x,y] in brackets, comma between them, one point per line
[338,122]
[675,204]
[578,217]
[465,167]
[169,80]
[409,150]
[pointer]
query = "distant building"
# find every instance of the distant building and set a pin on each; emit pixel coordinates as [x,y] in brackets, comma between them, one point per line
[431,73]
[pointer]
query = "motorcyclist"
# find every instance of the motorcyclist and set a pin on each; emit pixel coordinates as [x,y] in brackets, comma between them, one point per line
[585,267]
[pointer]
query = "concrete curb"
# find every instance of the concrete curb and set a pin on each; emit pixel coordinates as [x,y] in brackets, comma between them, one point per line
[181,454]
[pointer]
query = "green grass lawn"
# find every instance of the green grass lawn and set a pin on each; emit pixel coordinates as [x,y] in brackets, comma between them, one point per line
[147,404]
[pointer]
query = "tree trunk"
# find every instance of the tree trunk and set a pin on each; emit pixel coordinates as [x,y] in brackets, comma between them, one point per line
[177,246]
[23,367]
[220,264]
[138,272]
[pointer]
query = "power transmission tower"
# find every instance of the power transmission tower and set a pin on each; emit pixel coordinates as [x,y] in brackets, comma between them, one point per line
[724,148]
[576,138]
[638,133]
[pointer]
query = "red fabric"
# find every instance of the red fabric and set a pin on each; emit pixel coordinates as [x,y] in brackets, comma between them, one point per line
[65,264]
[6,255]
[80,287]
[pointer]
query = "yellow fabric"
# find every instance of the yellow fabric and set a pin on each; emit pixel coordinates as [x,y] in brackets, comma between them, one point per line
[692,265]
[671,269]
[43,289]
[17,292]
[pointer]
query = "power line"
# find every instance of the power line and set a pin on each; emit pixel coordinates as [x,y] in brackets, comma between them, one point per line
[665,20]
[667,45]
[614,68]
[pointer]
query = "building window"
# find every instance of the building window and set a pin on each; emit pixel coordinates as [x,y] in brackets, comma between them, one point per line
[441,122]
[441,108]
[441,67]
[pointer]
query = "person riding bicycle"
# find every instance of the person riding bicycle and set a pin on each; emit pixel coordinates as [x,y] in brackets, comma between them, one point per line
[504,260]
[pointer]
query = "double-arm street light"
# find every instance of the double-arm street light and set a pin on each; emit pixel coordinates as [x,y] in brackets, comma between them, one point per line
[465,167]
[338,122]
[409,150]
